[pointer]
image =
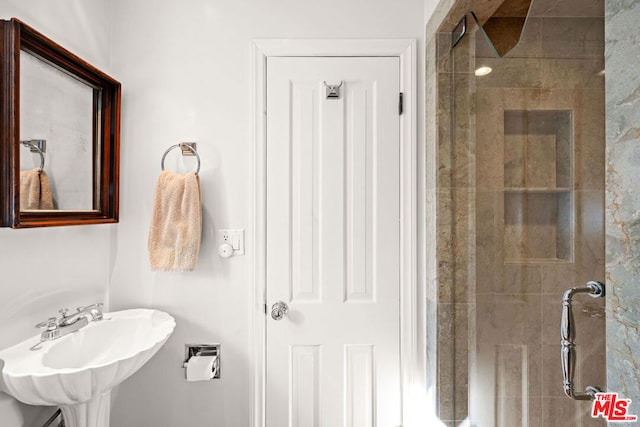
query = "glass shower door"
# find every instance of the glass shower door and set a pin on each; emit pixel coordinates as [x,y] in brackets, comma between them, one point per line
[527,155]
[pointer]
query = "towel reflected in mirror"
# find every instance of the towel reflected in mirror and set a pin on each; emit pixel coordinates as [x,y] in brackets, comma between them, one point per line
[35,192]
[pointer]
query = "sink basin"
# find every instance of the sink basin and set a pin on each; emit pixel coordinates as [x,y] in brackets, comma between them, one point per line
[77,371]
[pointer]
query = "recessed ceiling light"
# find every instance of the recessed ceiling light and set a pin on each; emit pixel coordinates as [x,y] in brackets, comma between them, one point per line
[482,71]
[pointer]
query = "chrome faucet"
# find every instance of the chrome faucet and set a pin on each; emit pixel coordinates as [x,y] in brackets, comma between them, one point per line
[67,324]
[93,311]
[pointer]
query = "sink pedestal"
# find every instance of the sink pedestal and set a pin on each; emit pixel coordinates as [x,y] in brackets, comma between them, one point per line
[94,413]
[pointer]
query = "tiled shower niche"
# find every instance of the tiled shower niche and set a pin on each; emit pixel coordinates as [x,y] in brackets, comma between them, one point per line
[538,198]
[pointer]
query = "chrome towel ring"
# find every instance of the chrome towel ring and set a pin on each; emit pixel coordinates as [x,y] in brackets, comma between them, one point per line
[182,145]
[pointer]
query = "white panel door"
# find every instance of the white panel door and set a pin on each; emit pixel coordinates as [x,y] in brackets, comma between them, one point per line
[333,242]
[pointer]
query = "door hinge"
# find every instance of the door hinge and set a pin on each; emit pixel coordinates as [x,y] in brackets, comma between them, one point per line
[265,308]
[401,103]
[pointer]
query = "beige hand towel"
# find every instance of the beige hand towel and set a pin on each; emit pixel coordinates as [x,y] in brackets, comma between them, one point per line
[35,192]
[176,223]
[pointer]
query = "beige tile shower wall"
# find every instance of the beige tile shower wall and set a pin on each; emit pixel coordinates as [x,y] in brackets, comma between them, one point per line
[430,270]
[534,244]
[496,359]
[451,197]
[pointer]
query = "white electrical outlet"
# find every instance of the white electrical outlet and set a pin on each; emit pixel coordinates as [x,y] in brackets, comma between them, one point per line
[235,238]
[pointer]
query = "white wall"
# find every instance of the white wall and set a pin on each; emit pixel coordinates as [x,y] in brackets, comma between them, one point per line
[49,268]
[186,73]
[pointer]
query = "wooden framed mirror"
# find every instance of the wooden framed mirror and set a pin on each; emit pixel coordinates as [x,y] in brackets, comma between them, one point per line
[59,134]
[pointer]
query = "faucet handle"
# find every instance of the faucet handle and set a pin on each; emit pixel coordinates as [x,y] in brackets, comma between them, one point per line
[94,310]
[97,306]
[63,312]
[50,324]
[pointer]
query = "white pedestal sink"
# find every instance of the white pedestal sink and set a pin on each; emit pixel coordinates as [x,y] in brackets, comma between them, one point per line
[78,371]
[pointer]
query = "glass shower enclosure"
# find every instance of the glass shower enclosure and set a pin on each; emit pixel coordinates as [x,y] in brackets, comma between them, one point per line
[519,200]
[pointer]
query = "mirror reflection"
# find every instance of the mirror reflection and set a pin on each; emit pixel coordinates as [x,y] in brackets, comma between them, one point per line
[60,126]
[57,118]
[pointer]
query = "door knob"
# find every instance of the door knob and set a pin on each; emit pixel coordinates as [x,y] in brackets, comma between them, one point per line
[279,310]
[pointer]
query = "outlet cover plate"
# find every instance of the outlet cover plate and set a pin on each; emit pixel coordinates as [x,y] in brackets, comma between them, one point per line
[233,237]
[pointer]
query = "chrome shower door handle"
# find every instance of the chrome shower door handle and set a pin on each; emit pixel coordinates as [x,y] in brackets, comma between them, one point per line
[279,310]
[567,340]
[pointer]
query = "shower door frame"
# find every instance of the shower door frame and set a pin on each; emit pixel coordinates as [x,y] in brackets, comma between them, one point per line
[412,346]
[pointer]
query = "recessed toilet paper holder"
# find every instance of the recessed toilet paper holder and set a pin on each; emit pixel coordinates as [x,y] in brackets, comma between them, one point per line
[191,350]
